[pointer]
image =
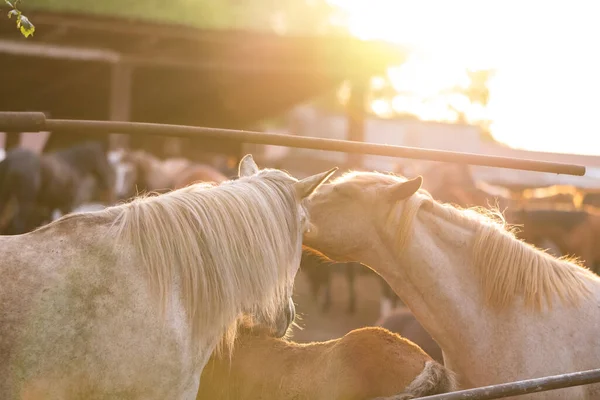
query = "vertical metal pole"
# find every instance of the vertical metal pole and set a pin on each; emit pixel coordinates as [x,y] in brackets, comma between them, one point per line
[120,100]
[356,118]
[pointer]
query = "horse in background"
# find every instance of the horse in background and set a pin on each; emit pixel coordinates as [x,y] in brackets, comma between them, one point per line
[20,182]
[454,183]
[551,196]
[403,322]
[76,175]
[148,173]
[592,198]
[33,186]
[366,363]
[135,298]
[574,232]
[198,173]
[141,172]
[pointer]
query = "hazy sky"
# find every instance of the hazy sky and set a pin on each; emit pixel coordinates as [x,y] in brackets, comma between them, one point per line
[545,95]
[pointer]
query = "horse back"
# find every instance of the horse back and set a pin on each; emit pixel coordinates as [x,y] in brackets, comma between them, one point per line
[76,318]
[385,364]
[30,271]
[363,364]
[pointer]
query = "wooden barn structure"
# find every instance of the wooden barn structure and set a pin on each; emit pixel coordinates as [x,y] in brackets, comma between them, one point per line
[104,68]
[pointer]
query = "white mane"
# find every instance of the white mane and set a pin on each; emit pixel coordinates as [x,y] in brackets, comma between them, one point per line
[228,246]
[507,267]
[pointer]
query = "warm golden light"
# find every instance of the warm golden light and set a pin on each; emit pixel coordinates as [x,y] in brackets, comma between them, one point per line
[544,94]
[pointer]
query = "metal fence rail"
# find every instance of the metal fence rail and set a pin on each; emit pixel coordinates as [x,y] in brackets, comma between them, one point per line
[536,385]
[37,122]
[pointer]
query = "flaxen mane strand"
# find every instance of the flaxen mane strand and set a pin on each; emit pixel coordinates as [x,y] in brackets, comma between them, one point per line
[227,246]
[508,267]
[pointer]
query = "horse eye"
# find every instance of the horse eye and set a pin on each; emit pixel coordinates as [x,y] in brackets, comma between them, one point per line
[341,191]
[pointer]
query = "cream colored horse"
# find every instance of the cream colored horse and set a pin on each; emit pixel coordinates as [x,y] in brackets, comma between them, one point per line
[500,309]
[130,302]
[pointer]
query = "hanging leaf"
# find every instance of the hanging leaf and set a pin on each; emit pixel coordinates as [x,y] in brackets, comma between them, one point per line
[25,26]
[9,3]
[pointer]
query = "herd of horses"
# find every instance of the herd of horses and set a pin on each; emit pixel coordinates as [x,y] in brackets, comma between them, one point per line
[35,189]
[180,284]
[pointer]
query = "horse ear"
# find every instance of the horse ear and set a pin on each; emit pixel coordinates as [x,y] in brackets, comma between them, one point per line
[247,166]
[307,186]
[404,190]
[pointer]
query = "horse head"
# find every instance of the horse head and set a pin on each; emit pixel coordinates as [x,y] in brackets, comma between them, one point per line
[285,312]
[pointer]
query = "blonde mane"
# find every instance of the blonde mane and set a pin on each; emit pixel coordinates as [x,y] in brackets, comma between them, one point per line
[224,247]
[507,266]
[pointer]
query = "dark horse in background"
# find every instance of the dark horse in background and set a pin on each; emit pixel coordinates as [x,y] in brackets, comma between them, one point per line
[20,182]
[575,232]
[76,175]
[32,187]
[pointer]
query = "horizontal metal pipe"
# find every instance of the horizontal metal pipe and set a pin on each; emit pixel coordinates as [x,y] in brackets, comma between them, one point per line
[137,128]
[22,121]
[536,385]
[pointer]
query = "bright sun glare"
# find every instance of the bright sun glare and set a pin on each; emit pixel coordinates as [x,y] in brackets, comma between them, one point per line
[544,93]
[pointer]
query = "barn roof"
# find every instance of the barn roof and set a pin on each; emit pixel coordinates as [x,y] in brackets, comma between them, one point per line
[182,74]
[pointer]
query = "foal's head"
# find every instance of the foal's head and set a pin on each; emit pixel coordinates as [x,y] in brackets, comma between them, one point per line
[347,214]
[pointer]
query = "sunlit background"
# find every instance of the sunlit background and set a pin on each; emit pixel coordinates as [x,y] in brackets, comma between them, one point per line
[541,57]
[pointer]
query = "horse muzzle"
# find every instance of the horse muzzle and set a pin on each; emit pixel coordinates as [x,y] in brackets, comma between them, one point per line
[285,319]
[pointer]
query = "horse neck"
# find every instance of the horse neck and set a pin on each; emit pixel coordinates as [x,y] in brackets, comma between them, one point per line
[433,275]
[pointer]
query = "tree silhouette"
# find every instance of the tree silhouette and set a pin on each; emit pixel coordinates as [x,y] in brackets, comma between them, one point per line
[477,91]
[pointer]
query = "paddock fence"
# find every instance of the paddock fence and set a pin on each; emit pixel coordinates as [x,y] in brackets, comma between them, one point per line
[37,122]
[523,387]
